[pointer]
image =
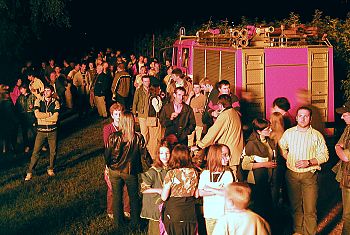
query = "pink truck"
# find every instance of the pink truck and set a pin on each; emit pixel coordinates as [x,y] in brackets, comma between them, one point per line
[266,62]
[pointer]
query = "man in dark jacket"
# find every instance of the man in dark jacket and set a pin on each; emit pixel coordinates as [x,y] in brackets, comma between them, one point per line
[100,89]
[178,118]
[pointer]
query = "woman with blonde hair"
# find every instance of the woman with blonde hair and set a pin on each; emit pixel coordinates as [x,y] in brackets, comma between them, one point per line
[123,155]
[277,126]
[212,182]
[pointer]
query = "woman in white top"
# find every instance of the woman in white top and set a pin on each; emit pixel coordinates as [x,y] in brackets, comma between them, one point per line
[212,183]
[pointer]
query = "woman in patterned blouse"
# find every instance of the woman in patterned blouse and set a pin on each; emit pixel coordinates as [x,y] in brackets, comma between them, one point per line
[179,192]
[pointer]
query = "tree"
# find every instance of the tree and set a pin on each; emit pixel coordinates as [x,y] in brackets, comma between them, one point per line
[22,21]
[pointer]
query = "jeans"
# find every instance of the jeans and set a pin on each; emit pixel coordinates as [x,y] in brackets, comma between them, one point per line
[346,210]
[118,179]
[303,193]
[51,138]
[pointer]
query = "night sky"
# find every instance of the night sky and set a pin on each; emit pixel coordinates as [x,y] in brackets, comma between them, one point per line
[110,23]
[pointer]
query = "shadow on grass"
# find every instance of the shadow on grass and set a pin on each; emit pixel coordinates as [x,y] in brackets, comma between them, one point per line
[57,217]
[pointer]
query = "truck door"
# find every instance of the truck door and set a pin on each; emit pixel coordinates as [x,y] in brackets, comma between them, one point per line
[253,79]
[318,79]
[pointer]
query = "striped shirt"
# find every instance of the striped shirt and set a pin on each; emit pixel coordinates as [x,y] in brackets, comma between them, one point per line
[303,145]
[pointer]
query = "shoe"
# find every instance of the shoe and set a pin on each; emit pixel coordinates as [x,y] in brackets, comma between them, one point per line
[44,149]
[26,149]
[126,214]
[110,216]
[50,172]
[28,176]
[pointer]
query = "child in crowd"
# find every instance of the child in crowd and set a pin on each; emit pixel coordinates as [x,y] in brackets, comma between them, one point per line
[152,186]
[212,182]
[240,220]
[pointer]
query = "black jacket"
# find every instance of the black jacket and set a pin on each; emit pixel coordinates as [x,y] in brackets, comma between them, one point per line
[127,157]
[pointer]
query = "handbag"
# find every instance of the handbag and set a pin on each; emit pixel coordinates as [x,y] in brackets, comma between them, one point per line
[151,121]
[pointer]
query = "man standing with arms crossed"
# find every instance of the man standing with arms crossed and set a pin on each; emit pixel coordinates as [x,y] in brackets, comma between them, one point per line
[305,150]
[46,112]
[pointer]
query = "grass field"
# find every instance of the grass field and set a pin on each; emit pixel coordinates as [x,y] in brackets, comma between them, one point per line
[72,202]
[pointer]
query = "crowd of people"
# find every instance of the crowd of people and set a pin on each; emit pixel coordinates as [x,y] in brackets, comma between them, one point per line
[187,156]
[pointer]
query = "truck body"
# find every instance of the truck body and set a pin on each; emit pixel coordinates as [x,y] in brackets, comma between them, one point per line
[264,68]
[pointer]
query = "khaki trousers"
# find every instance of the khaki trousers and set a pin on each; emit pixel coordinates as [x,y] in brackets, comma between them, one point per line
[101,105]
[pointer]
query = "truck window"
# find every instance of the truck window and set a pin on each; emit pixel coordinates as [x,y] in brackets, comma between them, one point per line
[185,55]
[175,56]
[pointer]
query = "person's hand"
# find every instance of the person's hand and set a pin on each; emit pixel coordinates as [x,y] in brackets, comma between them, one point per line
[270,164]
[173,115]
[302,164]
[215,113]
[191,94]
[194,148]
[195,110]
[200,110]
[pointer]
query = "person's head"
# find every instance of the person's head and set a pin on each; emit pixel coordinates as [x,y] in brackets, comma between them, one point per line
[345,112]
[225,101]
[163,154]
[141,59]
[196,88]
[19,82]
[52,62]
[116,109]
[143,70]
[180,157]
[23,89]
[261,126]
[303,117]
[277,125]
[167,63]
[206,85]
[91,65]
[53,77]
[83,67]
[281,105]
[238,194]
[48,91]
[179,93]
[99,69]
[146,81]
[127,125]
[121,67]
[216,162]
[225,154]
[77,67]
[43,65]
[30,76]
[169,71]
[176,74]
[224,87]
[57,70]
[154,89]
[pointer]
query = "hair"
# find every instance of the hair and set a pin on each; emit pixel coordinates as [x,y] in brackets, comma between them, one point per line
[24,86]
[49,87]
[223,82]
[180,157]
[177,72]
[121,66]
[214,156]
[304,108]
[180,88]
[260,124]
[157,161]
[282,103]
[239,194]
[225,100]
[116,107]
[277,126]
[205,81]
[127,125]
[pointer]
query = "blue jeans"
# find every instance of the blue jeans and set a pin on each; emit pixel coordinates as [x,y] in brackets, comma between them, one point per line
[118,179]
[346,210]
[51,138]
[303,193]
